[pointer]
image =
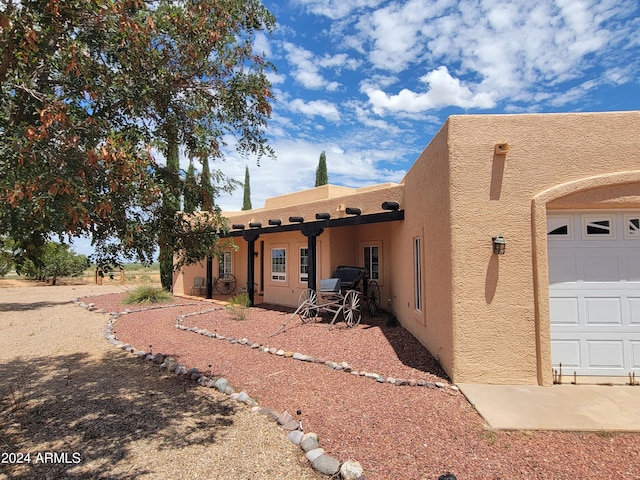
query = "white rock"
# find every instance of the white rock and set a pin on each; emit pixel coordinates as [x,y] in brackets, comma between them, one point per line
[351,470]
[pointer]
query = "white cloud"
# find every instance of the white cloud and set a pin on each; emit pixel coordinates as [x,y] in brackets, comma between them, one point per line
[320,108]
[443,91]
[573,94]
[275,78]
[364,117]
[505,50]
[305,67]
[395,31]
[336,9]
[262,45]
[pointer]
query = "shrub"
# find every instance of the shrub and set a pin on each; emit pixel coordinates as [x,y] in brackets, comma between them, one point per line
[6,262]
[146,294]
[239,306]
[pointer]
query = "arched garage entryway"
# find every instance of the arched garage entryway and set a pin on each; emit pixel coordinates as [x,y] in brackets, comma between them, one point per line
[587,289]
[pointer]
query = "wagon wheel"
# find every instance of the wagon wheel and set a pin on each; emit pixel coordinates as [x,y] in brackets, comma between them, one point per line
[226,284]
[351,308]
[373,298]
[307,305]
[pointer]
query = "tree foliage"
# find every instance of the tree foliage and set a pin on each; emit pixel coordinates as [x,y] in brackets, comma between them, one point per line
[246,197]
[6,256]
[91,91]
[322,177]
[57,260]
[191,197]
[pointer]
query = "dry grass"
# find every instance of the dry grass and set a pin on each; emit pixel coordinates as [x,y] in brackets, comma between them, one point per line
[64,390]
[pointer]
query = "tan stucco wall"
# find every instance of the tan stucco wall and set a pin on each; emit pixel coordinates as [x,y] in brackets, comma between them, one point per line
[309,195]
[499,309]
[427,215]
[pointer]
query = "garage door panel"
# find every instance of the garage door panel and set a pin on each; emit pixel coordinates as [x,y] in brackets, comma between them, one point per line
[566,353]
[605,354]
[634,311]
[562,269]
[564,311]
[602,311]
[635,353]
[633,268]
[601,268]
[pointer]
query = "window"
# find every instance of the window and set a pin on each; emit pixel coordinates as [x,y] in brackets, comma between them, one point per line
[417,273]
[304,264]
[632,226]
[224,264]
[560,227]
[598,227]
[278,264]
[372,261]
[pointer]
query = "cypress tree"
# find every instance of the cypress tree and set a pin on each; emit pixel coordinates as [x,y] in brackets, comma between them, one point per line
[190,195]
[246,200]
[205,185]
[322,177]
[170,205]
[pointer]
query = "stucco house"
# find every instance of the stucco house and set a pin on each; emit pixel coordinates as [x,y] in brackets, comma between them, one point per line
[561,190]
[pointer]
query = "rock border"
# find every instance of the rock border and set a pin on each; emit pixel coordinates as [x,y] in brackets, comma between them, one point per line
[334,365]
[308,442]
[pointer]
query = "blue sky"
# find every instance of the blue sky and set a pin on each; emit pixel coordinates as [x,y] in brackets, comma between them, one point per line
[371,81]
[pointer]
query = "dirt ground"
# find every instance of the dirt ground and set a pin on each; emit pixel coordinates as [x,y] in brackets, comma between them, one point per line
[72,406]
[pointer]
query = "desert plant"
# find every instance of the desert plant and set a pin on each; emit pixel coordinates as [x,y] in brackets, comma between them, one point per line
[146,294]
[239,306]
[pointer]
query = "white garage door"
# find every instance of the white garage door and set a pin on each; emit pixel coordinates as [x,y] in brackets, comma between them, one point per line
[594,290]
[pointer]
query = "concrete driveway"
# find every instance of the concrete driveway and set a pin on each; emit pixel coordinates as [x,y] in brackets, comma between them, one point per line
[561,407]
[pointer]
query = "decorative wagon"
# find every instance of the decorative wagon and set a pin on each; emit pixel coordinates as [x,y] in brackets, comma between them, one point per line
[339,295]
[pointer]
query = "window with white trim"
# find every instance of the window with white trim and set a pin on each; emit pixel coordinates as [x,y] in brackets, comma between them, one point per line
[224,264]
[560,227]
[417,273]
[279,264]
[372,261]
[304,265]
[598,227]
[632,226]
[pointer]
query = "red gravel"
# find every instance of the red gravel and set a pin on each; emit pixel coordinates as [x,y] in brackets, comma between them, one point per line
[394,432]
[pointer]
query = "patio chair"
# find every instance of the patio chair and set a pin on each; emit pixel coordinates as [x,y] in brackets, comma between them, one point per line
[199,287]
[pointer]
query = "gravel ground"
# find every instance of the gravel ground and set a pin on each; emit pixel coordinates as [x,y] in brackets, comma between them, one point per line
[395,432]
[84,410]
[63,388]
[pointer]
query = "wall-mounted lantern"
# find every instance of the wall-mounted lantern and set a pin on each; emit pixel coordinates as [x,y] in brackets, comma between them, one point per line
[499,245]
